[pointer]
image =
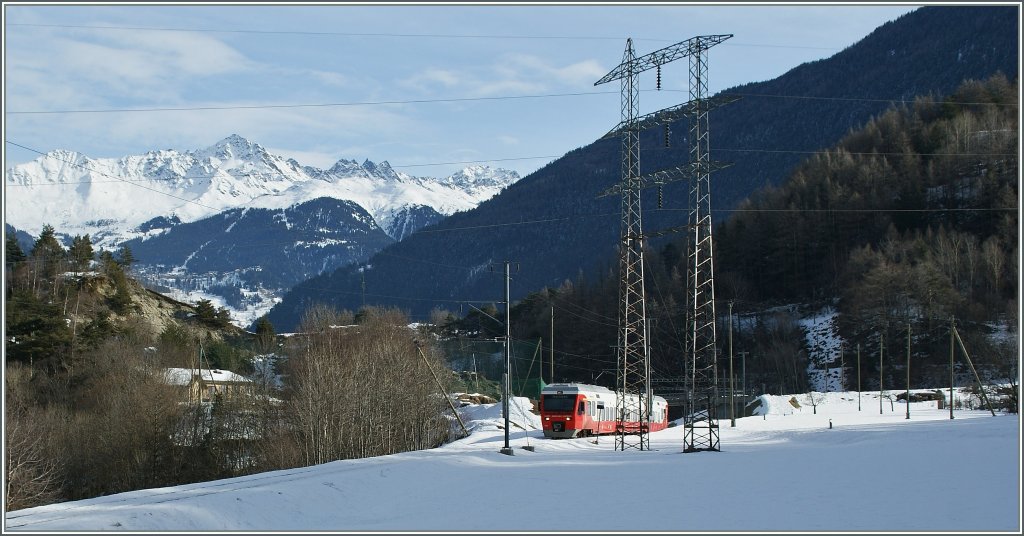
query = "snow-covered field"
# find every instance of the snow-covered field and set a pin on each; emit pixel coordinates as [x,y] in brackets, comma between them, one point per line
[785,470]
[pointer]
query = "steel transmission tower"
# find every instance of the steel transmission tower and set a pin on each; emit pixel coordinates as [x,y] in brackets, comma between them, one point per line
[700,420]
[634,371]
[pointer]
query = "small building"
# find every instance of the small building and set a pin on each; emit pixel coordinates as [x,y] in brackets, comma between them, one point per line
[204,384]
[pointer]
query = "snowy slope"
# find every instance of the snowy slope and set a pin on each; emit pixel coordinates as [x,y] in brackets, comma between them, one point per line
[783,471]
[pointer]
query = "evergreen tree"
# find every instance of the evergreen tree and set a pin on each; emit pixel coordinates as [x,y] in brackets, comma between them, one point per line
[125,257]
[222,318]
[122,297]
[264,334]
[81,252]
[14,254]
[107,262]
[35,331]
[48,252]
[205,312]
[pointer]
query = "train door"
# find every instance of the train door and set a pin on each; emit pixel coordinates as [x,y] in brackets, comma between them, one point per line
[581,417]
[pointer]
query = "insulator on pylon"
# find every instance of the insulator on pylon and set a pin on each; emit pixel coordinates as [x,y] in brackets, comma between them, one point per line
[659,78]
[668,132]
[660,199]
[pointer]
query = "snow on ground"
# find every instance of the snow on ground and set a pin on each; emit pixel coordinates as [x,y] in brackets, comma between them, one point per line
[785,470]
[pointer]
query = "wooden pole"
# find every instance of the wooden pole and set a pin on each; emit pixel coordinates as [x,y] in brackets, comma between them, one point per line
[952,322]
[908,370]
[732,377]
[858,376]
[981,387]
[551,342]
[439,386]
[881,350]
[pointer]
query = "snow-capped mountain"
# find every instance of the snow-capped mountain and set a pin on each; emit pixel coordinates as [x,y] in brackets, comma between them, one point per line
[111,198]
[233,220]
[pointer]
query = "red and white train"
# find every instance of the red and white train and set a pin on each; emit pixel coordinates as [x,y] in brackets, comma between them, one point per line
[575,410]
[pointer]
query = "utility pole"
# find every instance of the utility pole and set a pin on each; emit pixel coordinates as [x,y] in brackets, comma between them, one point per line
[858,376]
[908,370]
[552,343]
[743,361]
[970,362]
[952,323]
[732,377]
[881,348]
[476,375]
[443,392]
[508,360]
[842,369]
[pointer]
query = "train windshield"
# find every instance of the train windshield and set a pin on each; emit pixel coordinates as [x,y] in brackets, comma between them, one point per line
[559,403]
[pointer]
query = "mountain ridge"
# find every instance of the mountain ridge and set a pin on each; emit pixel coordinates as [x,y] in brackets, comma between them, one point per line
[233,172]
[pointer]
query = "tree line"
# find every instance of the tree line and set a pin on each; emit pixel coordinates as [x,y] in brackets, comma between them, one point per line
[91,409]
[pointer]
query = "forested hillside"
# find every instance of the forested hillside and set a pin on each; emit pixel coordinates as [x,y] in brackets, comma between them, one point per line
[554,226]
[912,219]
[110,387]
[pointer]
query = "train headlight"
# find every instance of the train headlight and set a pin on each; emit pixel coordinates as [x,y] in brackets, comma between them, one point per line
[567,418]
[547,418]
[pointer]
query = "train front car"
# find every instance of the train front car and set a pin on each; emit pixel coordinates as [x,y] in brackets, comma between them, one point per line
[570,410]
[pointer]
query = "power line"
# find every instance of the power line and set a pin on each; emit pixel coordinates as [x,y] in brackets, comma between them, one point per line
[307,105]
[827,151]
[144,187]
[480,161]
[465,99]
[387,34]
[859,99]
[278,174]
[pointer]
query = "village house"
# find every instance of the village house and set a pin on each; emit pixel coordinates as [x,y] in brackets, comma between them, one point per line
[204,384]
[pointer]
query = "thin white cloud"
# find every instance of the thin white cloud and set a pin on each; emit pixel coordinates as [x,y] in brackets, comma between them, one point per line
[60,72]
[509,74]
[433,77]
[584,72]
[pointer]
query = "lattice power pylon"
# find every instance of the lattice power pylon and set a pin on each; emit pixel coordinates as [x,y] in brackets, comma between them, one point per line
[634,371]
[700,431]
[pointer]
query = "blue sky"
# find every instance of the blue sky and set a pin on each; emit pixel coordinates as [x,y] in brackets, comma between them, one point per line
[256,67]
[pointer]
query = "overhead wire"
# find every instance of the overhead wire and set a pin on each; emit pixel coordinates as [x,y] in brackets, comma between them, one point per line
[279,174]
[192,201]
[462,99]
[393,34]
[306,105]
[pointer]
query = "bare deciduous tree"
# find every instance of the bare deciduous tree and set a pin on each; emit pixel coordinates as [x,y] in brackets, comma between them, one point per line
[358,391]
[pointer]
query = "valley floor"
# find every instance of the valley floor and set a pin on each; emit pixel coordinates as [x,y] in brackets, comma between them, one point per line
[786,470]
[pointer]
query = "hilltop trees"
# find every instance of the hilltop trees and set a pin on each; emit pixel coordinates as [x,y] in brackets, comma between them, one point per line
[265,336]
[211,316]
[81,253]
[47,253]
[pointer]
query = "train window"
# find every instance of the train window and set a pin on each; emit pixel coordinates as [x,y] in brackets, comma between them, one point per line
[580,408]
[557,403]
